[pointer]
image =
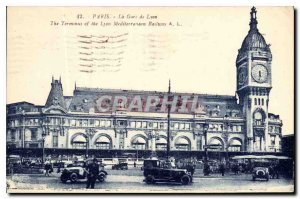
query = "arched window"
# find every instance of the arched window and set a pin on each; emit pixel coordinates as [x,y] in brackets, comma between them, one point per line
[139,143]
[255,101]
[258,118]
[262,101]
[161,144]
[182,144]
[235,145]
[79,142]
[258,101]
[103,142]
[215,145]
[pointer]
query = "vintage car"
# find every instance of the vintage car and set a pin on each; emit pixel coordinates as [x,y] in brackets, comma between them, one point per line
[157,171]
[76,171]
[260,171]
[120,166]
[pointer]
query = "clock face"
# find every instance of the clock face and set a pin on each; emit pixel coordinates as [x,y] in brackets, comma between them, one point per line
[242,76]
[259,73]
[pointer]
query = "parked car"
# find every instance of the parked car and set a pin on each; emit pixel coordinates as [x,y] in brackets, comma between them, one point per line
[120,166]
[157,171]
[260,170]
[76,171]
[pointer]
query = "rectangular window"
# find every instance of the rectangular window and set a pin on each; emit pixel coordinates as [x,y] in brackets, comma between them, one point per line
[33,134]
[161,125]
[108,123]
[73,123]
[55,140]
[176,125]
[144,124]
[181,126]
[97,122]
[102,123]
[138,124]
[132,124]
[187,126]
[150,124]
[155,125]
[13,135]
[273,140]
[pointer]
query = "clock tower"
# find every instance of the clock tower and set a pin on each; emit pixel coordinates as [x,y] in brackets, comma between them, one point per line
[253,66]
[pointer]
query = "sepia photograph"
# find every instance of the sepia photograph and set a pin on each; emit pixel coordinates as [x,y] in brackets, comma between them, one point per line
[150,100]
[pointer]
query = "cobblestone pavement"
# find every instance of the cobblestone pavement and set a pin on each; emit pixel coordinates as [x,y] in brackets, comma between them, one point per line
[132,181]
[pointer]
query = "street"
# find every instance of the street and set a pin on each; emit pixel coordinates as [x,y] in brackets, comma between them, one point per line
[131,181]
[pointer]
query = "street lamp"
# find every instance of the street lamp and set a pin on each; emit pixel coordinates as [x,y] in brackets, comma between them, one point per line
[205,128]
[44,134]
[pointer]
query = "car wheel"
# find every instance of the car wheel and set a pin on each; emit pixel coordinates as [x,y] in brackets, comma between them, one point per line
[73,177]
[101,178]
[150,179]
[185,180]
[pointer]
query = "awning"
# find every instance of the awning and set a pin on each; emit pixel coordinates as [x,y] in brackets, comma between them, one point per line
[161,141]
[103,139]
[235,143]
[215,142]
[182,141]
[139,140]
[79,139]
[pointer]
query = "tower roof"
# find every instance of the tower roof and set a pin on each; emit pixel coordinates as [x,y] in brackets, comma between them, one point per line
[254,39]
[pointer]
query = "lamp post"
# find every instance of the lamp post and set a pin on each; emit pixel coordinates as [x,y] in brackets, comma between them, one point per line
[44,134]
[205,128]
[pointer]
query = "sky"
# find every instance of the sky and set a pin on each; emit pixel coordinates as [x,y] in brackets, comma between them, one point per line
[197,51]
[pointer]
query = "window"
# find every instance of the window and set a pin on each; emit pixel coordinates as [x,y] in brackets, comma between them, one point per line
[258,101]
[55,140]
[258,119]
[132,124]
[102,123]
[13,135]
[144,124]
[176,125]
[97,122]
[181,126]
[102,145]
[155,125]
[273,140]
[187,126]
[150,124]
[138,124]
[73,123]
[255,101]
[33,134]
[262,101]
[161,125]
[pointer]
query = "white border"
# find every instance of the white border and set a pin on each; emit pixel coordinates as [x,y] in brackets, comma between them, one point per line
[4,3]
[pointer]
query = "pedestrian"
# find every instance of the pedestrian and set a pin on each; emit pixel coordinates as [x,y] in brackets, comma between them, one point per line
[92,173]
[47,168]
[134,164]
[276,171]
[222,169]
[206,169]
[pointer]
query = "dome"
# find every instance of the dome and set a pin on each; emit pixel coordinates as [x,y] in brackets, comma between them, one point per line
[254,40]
